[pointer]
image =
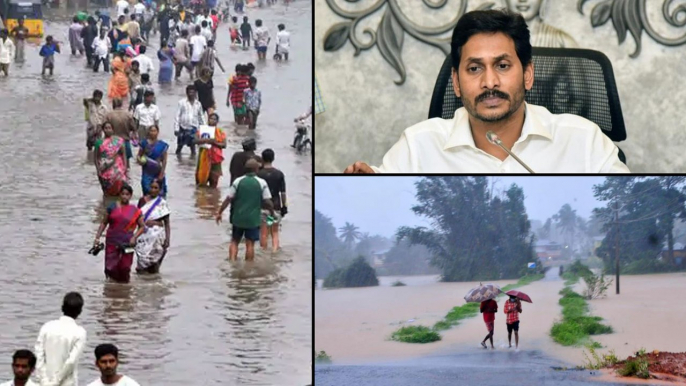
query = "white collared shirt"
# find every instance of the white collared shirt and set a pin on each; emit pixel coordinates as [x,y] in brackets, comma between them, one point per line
[11,383]
[189,115]
[6,51]
[58,348]
[549,143]
[146,116]
[101,47]
[123,381]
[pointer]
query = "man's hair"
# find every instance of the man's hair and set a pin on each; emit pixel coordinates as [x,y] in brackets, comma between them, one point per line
[258,22]
[197,29]
[106,349]
[135,62]
[249,144]
[281,27]
[491,21]
[253,80]
[268,155]
[148,93]
[97,93]
[184,32]
[142,49]
[25,354]
[133,16]
[145,77]
[190,87]
[72,304]
[245,18]
[204,24]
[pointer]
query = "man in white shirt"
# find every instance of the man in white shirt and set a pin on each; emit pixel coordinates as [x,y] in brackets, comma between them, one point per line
[188,119]
[23,363]
[6,51]
[122,6]
[146,115]
[60,344]
[198,44]
[206,30]
[492,69]
[138,10]
[107,360]
[283,41]
[145,64]
[205,16]
[262,39]
[101,51]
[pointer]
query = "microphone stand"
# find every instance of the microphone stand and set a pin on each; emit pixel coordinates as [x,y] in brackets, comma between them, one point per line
[492,138]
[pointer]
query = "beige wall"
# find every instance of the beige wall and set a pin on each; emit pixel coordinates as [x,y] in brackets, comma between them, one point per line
[367,112]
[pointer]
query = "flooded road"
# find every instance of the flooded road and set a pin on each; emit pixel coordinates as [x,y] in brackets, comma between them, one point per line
[202,321]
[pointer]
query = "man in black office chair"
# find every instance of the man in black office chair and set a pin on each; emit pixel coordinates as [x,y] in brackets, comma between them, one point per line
[492,70]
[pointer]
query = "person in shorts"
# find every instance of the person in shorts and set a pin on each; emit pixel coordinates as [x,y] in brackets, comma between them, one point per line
[489,308]
[247,195]
[277,187]
[512,309]
[48,53]
[262,40]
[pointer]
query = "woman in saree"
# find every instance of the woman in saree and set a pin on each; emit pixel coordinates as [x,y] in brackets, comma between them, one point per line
[209,166]
[119,83]
[110,161]
[121,220]
[152,156]
[166,57]
[153,243]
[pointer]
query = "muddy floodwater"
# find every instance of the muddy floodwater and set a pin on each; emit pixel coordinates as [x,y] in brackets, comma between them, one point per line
[202,321]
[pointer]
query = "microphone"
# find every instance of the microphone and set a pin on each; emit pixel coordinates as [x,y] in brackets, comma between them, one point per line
[493,138]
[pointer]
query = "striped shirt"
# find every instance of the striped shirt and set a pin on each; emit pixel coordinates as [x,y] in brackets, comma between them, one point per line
[238,87]
[189,115]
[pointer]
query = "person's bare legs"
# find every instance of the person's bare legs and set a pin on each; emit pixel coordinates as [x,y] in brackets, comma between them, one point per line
[249,250]
[516,339]
[233,250]
[492,347]
[263,235]
[275,237]
[509,338]
[490,335]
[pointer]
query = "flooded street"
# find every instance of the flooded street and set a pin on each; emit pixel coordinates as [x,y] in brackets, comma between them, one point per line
[203,320]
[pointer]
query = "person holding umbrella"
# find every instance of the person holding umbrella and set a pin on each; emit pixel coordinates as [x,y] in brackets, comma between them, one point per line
[489,308]
[512,309]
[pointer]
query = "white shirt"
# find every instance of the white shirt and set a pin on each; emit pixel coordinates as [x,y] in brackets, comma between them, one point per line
[11,383]
[146,116]
[189,115]
[549,143]
[123,381]
[201,18]
[6,51]
[283,40]
[266,193]
[206,33]
[139,8]
[198,43]
[58,348]
[121,6]
[145,64]
[261,36]
[101,47]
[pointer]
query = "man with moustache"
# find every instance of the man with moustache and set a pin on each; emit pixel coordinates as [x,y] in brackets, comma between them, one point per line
[107,360]
[492,70]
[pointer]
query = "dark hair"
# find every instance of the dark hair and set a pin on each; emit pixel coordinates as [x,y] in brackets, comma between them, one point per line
[127,187]
[91,20]
[249,144]
[142,49]
[106,349]
[117,102]
[72,304]
[197,29]
[235,19]
[135,62]
[190,87]
[258,22]
[215,115]
[210,43]
[97,93]
[25,354]
[204,23]
[238,67]
[490,21]
[214,11]
[145,77]
[253,80]
[250,66]
[268,155]
[184,32]
[133,16]
[148,93]
[245,18]
[281,27]
[75,19]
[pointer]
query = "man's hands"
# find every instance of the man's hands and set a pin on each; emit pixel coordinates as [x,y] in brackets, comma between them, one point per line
[359,168]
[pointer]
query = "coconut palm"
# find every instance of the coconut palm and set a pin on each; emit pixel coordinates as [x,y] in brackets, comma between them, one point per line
[566,221]
[349,234]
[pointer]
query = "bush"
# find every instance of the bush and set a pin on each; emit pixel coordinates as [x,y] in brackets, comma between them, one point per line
[644,266]
[578,269]
[415,334]
[638,367]
[357,274]
[596,286]
[398,283]
[322,357]
[599,361]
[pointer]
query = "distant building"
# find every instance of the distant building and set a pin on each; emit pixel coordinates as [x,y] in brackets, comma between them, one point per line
[378,258]
[679,253]
[548,250]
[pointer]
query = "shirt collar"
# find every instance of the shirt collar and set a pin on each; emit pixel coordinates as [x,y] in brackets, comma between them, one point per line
[65,318]
[462,133]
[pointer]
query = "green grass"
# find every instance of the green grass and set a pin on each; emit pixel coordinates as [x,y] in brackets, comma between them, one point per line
[524,280]
[322,357]
[576,326]
[456,314]
[415,334]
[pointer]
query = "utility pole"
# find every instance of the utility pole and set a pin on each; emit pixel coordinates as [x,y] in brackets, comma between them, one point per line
[617,246]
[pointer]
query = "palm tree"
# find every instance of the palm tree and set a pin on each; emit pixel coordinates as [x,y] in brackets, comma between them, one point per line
[565,219]
[349,233]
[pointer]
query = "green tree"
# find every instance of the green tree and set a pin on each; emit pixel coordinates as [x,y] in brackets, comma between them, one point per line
[358,274]
[407,259]
[350,233]
[474,236]
[566,222]
[329,251]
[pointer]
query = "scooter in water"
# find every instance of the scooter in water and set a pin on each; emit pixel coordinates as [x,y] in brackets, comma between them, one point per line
[302,142]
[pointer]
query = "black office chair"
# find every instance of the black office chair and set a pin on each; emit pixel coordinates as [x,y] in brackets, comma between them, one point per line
[566,80]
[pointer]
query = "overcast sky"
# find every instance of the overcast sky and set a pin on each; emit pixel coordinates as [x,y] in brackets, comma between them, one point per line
[379,205]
